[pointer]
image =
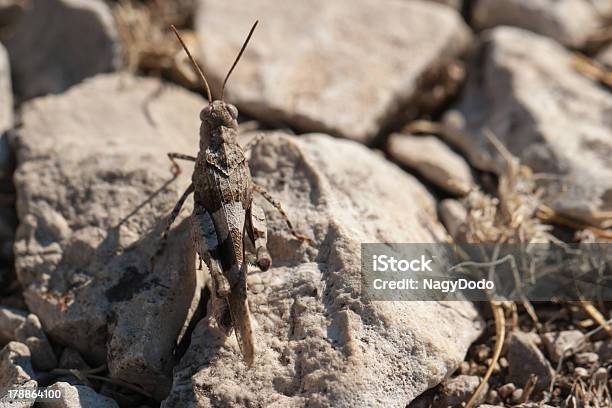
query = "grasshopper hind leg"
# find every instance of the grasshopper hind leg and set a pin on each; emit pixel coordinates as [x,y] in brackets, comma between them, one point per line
[206,244]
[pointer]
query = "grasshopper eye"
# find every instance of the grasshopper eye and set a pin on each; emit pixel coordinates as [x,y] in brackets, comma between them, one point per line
[205,113]
[232,111]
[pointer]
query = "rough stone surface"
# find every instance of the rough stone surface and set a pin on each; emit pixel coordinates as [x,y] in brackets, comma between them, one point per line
[567,21]
[31,333]
[16,372]
[556,121]
[319,343]
[323,66]
[72,359]
[10,320]
[434,160]
[456,4]
[603,349]
[557,343]
[78,396]
[84,269]
[525,358]
[10,12]
[48,58]
[6,95]
[459,390]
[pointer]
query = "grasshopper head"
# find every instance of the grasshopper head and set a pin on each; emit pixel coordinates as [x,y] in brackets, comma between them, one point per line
[218,114]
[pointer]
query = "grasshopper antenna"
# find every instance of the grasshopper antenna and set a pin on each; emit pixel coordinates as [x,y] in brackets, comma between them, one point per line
[195,64]
[246,42]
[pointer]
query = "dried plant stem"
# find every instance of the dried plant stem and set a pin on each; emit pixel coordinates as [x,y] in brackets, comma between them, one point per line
[592,69]
[500,335]
[597,316]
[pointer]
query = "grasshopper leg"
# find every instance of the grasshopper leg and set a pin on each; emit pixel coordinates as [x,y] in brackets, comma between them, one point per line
[176,169]
[280,209]
[173,215]
[205,238]
[258,232]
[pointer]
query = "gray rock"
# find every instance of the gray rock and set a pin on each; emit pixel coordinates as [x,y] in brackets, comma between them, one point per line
[10,12]
[603,349]
[48,58]
[506,390]
[72,359]
[558,343]
[6,100]
[16,325]
[78,396]
[525,90]
[319,343]
[434,160]
[308,67]
[16,373]
[10,320]
[525,359]
[85,268]
[31,333]
[459,390]
[605,57]
[567,21]
[586,359]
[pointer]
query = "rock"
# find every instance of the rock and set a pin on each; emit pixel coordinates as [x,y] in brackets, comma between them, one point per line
[16,325]
[78,396]
[567,21]
[459,390]
[16,373]
[10,12]
[506,390]
[31,333]
[72,359]
[433,160]
[319,343]
[85,270]
[492,397]
[525,90]
[525,359]
[586,359]
[516,396]
[308,67]
[454,217]
[605,57]
[10,320]
[48,58]
[581,372]
[6,100]
[603,349]
[558,343]
[456,4]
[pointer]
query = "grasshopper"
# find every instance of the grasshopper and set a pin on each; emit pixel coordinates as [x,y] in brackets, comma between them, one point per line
[224,212]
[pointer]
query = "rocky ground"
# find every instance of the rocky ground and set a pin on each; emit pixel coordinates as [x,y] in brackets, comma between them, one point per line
[377,118]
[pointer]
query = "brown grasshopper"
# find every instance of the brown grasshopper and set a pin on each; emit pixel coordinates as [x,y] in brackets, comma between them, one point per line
[224,212]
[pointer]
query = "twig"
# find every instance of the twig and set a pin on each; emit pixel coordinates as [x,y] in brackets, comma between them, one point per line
[500,335]
[596,315]
[528,388]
